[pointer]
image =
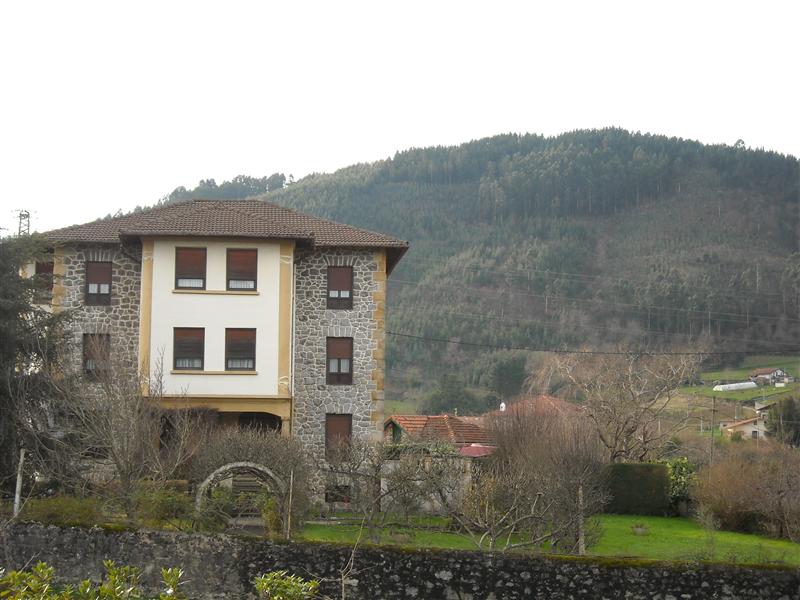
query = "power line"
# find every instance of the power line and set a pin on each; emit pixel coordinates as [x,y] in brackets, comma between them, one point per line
[560,325]
[699,313]
[583,276]
[575,351]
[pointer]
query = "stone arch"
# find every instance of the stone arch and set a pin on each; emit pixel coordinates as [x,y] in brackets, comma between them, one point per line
[238,468]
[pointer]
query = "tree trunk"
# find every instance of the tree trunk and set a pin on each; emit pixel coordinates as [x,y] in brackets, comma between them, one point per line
[581,524]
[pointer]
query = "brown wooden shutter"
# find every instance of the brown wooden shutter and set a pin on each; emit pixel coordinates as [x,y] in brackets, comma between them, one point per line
[98,283]
[190,263]
[46,269]
[189,347]
[338,431]
[240,349]
[242,268]
[339,361]
[340,347]
[340,287]
[96,353]
[98,272]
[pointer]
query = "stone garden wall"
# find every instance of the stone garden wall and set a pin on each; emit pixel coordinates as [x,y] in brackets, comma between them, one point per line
[222,567]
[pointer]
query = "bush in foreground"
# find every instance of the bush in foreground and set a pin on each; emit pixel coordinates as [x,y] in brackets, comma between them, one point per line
[122,583]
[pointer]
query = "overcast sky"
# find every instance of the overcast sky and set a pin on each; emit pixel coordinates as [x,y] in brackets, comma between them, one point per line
[106,105]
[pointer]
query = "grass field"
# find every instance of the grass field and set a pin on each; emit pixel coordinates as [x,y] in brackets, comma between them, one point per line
[666,538]
[399,407]
[790,364]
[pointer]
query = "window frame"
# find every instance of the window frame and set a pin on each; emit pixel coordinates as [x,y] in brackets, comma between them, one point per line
[175,356]
[338,377]
[98,298]
[338,302]
[91,341]
[227,357]
[178,277]
[228,268]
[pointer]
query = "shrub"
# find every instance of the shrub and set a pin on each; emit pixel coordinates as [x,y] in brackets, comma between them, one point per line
[154,503]
[638,488]
[216,511]
[681,477]
[120,583]
[279,585]
[63,510]
[753,489]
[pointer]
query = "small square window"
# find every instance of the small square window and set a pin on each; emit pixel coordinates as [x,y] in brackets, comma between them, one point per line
[190,268]
[98,283]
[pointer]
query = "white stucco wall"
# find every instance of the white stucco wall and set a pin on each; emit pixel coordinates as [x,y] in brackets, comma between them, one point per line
[215,312]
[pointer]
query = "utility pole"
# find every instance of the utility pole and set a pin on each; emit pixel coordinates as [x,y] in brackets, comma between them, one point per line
[24,227]
[713,410]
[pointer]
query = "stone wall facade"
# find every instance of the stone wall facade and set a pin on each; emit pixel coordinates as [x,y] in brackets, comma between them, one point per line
[121,318]
[314,322]
[223,567]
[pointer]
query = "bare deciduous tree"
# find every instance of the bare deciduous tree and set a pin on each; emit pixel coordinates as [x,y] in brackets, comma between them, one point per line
[627,398]
[116,430]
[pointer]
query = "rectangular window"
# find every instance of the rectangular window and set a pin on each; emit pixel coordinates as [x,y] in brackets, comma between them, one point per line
[338,432]
[190,268]
[339,361]
[240,349]
[45,270]
[340,287]
[96,354]
[242,268]
[189,348]
[98,283]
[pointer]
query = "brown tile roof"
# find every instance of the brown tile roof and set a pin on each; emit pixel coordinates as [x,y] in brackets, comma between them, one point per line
[442,428]
[229,218]
[763,371]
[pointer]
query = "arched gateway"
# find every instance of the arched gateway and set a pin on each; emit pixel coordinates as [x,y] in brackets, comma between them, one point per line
[260,472]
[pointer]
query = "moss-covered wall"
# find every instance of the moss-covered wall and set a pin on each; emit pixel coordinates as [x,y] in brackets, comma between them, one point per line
[222,567]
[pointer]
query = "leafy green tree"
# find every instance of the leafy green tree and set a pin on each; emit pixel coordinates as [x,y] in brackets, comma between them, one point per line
[508,375]
[31,340]
[784,422]
[451,395]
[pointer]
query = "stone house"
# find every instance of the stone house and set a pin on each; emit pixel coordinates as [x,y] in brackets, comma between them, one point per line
[260,313]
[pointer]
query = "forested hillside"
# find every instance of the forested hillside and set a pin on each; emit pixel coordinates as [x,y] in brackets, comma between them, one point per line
[593,239]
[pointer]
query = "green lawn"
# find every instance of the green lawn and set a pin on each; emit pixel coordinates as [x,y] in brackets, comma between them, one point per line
[666,538]
[673,538]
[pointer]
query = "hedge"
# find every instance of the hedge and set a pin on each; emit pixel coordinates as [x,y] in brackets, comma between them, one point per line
[638,489]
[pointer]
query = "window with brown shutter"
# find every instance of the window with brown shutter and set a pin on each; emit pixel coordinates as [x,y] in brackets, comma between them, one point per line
[98,283]
[338,432]
[188,348]
[45,271]
[190,268]
[240,349]
[242,268]
[339,361]
[340,287]
[96,354]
